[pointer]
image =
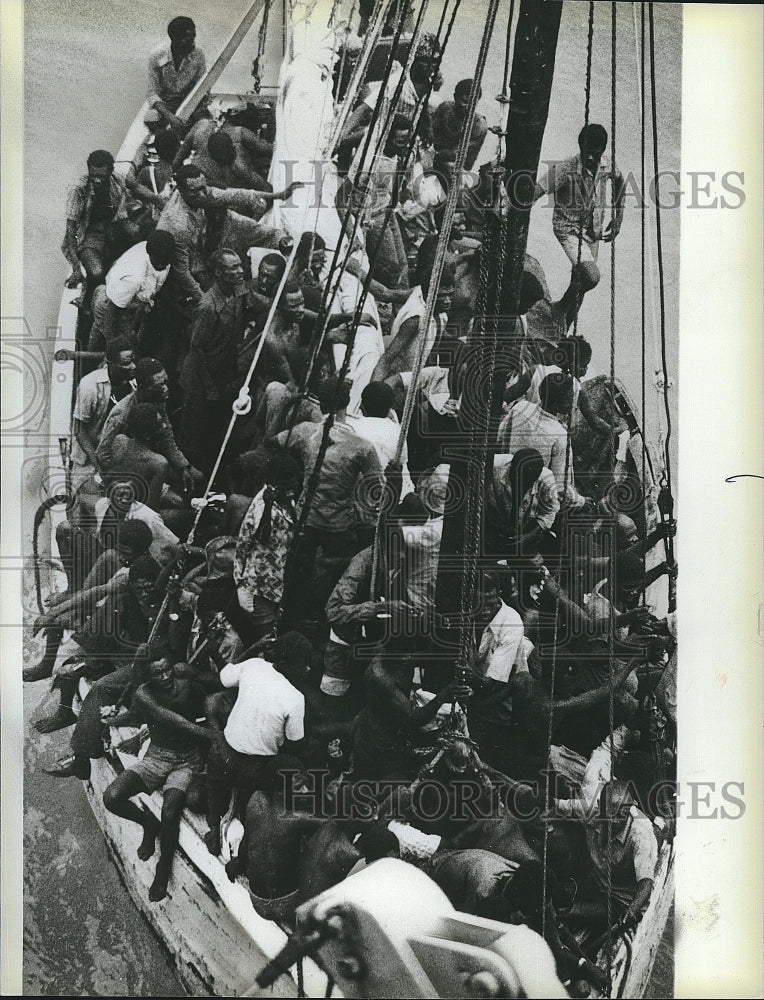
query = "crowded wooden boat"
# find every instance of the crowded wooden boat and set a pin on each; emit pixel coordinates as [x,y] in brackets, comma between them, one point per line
[360,604]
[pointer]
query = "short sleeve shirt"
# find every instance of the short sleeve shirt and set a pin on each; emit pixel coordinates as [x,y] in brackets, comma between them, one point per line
[268,709]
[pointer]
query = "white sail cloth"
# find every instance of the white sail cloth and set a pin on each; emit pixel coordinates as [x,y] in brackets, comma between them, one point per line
[304,118]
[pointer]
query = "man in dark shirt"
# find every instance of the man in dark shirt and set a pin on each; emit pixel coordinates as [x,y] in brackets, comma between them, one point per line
[342,504]
[170,705]
[151,379]
[96,221]
[449,121]
[209,376]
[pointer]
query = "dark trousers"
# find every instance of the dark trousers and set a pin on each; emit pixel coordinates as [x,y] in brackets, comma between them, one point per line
[227,769]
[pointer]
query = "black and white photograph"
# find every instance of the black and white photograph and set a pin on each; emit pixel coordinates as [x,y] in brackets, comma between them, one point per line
[351,501]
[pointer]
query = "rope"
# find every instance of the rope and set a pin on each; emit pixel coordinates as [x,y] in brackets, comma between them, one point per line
[661,285]
[643,303]
[333,279]
[329,421]
[507,49]
[587,104]
[440,253]
[613,79]
[611,630]
[563,532]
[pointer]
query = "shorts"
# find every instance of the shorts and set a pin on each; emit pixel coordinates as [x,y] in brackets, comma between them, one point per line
[589,251]
[164,768]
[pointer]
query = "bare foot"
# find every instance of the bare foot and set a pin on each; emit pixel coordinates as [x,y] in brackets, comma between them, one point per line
[60,719]
[158,888]
[146,849]
[212,840]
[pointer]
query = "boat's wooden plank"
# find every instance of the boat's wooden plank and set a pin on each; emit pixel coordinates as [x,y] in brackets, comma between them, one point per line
[631,980]
[213,74]
[213,952]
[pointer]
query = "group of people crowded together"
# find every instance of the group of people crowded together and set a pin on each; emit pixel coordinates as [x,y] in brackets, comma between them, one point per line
[298,632]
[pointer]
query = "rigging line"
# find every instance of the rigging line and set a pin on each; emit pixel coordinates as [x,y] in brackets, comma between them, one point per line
[613,89]
[329,289]
[329,421]
[440,250]
[507,51]
[641,84]
[611,595]
[659,241]
[563,532]
[587,106]
[332,276]
[359,72]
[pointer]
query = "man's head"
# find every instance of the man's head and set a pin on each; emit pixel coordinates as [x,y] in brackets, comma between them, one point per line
[400,136]
[167,144]
[160,246]
[377,399]
[229,273]
[143,423]
[120,360]
[159,666]
[142,577]
[192,185]
[581,355]
[462,95]
[489,595]
[378,842]
[221,149]
[292,656]
[592,140]
[151,379]
[433,489]
[182,32]
[134,539]
[524,470]
[556,394]
[444,165]
[100,169]
[292,303]
[272,267]
[122,493]
[283,473]
[446,288]
[615,802]
[333,394]
[311,253]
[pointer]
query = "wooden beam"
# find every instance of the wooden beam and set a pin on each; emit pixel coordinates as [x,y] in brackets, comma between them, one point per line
[215,71]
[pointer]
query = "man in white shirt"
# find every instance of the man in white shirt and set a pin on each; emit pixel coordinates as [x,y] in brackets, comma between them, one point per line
[131,286]
[378,422]
[502,653]
[266,722]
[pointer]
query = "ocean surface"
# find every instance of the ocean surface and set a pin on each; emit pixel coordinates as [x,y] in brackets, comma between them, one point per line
[85,78]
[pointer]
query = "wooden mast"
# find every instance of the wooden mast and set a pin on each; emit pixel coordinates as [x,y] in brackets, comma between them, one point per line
[490,363]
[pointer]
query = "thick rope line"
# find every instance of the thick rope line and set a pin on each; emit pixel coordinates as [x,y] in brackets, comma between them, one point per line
[643,234]
[563,533]
[611,636]
[329,421]
[333,279]
[661,283]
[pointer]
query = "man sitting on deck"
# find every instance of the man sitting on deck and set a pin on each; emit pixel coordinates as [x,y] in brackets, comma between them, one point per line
[130,288]
[170,705]
[174,71]
[96,221]
[227,154]
[265,723]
